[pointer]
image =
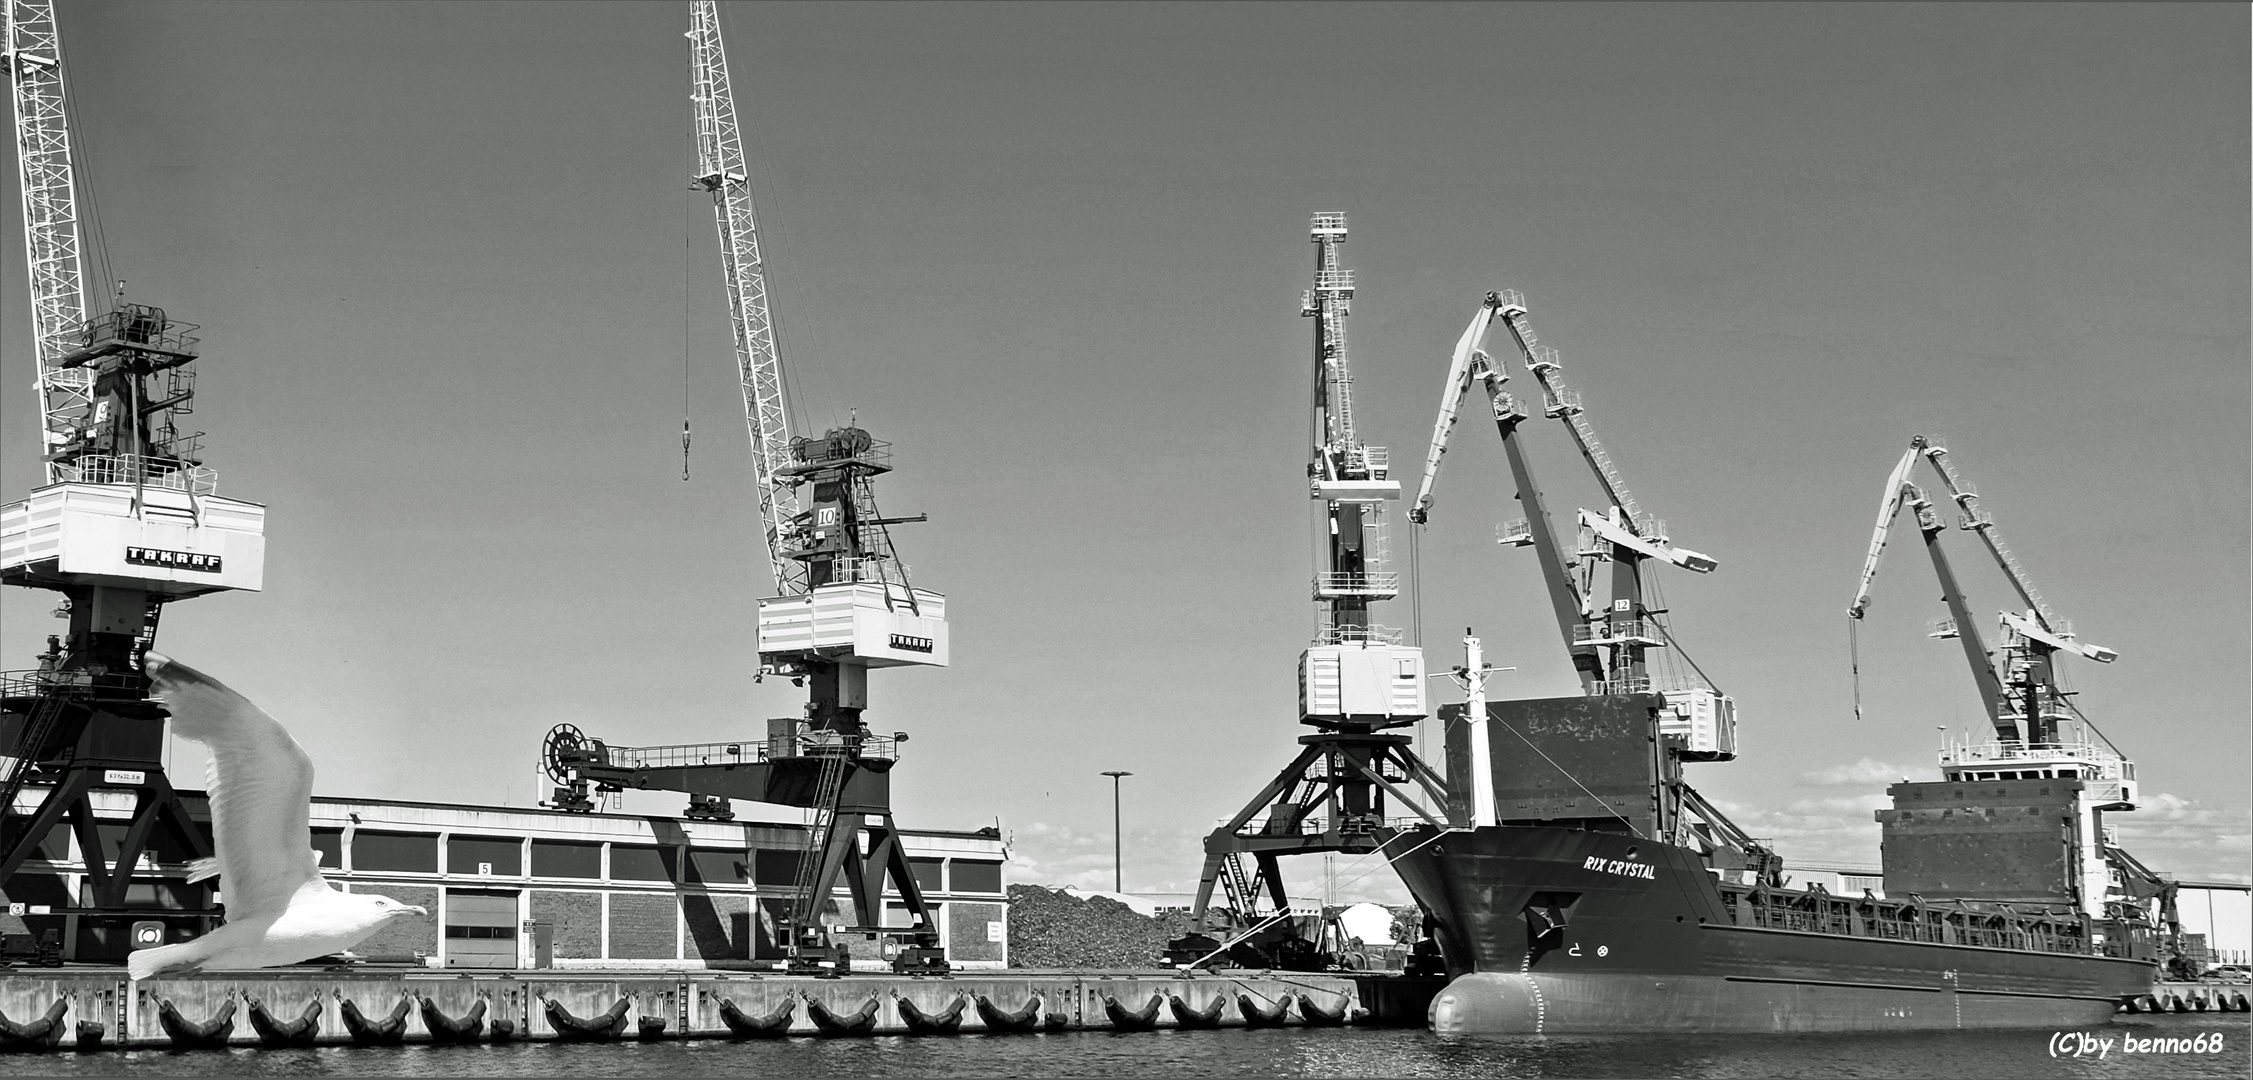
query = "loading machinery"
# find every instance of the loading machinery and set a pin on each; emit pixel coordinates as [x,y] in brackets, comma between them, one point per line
[1611,624]
[844,606]
[126,520]
[2038,732]
[1357,682]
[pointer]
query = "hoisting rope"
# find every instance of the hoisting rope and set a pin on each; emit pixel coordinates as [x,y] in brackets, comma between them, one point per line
[688,260]
[1854,659]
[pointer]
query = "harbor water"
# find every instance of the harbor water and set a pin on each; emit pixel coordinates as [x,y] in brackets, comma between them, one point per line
[1344,1052]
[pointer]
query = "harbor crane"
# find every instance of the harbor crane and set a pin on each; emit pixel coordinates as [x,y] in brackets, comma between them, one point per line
[1608,628]
[2018,686]
[126,520]
[1357,681]
[844,605]
[2028,709]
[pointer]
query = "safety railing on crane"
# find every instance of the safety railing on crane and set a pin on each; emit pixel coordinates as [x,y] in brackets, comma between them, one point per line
[805,744]
[1357,634]
[1649,684]
[142,469]
[1634,631]
[1379,585]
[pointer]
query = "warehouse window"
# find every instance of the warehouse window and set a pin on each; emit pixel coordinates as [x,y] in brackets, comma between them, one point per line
[483,933]
[330,843]
[774,867]
[484,855]
[633,862]
[564,858]
[410,852]
[926,873]
[981,877]
[719,867]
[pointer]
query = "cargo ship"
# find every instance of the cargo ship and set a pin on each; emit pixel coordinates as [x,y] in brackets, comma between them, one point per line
[1579,884]
[1620,906]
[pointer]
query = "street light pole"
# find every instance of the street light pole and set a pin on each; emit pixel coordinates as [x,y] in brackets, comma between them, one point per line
[1118,844]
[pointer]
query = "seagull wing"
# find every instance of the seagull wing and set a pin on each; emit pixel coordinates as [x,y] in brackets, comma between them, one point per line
[261,788]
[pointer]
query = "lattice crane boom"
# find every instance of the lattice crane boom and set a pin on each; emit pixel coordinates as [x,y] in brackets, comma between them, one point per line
[722,170]
[50,214]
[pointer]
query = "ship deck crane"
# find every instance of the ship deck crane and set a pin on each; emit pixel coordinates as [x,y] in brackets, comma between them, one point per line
[2018,688]
[1606,636]
[1356,680]
[127,520]
[844,605]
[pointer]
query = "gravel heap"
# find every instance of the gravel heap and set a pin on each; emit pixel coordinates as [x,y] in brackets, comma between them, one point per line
[1049,928]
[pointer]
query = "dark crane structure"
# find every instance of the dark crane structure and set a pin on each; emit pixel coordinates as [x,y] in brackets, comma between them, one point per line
[845,605]
[1357,682]
[127,520]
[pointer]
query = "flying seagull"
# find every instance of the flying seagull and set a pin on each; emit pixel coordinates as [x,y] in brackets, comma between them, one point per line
[280,910]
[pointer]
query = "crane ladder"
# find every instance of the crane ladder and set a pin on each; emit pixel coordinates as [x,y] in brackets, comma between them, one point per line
[44,717]
[807,906]
[1980,522]
[1563,402]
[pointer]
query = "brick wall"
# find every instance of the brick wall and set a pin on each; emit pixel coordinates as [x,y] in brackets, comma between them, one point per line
[966,931]
[402,936]
[578,922]
[719,927]
[642,927]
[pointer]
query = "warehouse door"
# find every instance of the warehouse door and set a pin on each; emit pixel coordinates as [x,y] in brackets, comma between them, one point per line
[481,928]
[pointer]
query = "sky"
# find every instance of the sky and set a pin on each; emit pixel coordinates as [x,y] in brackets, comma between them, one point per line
[457,297]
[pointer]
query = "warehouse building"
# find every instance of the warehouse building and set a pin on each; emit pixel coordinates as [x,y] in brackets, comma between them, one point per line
[604,890]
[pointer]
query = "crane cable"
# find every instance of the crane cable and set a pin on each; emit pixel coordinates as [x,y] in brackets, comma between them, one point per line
[688,267]
[1854,661]
[688,348]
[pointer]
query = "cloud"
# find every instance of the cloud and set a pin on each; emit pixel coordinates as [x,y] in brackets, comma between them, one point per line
[2186,839]
[1863,772]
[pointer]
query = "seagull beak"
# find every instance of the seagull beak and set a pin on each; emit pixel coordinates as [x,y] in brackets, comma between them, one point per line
[419,911]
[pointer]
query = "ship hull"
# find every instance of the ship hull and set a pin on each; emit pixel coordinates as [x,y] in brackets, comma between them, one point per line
[1637,938]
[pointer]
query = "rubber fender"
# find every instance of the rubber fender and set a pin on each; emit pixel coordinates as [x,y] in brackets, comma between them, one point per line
[1487,1003]
[40,1034]
[188,1033]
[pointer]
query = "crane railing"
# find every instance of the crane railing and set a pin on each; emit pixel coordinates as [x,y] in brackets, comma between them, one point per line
[148,471]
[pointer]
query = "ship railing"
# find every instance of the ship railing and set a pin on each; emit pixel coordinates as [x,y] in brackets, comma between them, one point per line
[2110,765]
[1818,912]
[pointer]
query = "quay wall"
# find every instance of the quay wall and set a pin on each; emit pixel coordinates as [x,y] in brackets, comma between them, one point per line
[687,1001]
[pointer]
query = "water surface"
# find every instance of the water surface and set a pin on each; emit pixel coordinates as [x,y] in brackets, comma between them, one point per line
[1236,1052]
